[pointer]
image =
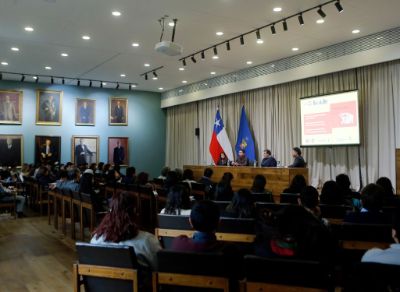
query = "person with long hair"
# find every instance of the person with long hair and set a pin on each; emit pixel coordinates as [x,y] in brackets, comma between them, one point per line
[331,194]
[119,228]
[178,202]
[241,206]
[223,191]
[390,198]
[297,185]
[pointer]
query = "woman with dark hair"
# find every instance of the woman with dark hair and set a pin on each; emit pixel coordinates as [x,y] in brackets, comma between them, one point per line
[330,194]
[259,183]
[351,197]
[390,198]
[130,176]
[119,228]
[297,185]
[143,179]
[171,180]
[178,202]
[223,160]
[86,186]
[223,190]
[241,206]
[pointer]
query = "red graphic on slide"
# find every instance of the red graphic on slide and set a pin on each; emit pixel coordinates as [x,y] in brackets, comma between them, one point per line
[340,115]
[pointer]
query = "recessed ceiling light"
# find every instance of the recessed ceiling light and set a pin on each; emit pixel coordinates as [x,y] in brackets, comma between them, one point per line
[134,85]
[205,84]
[181,69]
[295,49]
[213,73]
[249,62]
[64,55]
[147,65]
[219,33]
[15,49]
[319,21]
[135,44]
[215,57]
[123,75]
[155,78]
[104,83]
[355,31]
[116,13]
[184,81]
[260,41]
[34,77]
[4,63]
[180,90]
[47,68]
[273,65]
[277,9]
[379,38]
[29,28]
[160,88]
[86,37]
[171,23]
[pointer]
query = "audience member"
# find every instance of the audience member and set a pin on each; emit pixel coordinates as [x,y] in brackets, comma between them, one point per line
[7,195]
[86,186]
[390,198]
[309,199]
[259,183]
[297,185]
[130,177]
[207,182]
[188,177]
[164,172]
[171,180]
[330,194]
[241,206]
[351,197]
[223,190]
[73,180]
[371,212]
[178,201]
[119,228]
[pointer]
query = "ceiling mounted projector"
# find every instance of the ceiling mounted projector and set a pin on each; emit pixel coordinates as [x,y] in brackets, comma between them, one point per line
[168,48]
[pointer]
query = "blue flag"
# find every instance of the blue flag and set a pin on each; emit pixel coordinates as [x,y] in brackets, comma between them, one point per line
[245,139]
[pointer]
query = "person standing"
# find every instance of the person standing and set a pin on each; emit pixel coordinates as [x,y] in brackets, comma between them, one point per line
[268,159]
[298,159]
[119,154]
[9,112]
[84,113]
[119,113]
[81,152]
[49,108]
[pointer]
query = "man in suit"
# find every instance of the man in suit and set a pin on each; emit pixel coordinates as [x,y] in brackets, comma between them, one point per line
[119,113]
[8,110]
[268,159]
[49,109]
[119,154]
[298,159]
[47,152]
[84,113]
[81,152]
[10,152]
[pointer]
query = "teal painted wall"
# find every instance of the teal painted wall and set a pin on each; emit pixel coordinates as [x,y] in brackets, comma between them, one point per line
[146,123]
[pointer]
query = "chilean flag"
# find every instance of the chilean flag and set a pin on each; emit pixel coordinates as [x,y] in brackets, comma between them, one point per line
[219,140]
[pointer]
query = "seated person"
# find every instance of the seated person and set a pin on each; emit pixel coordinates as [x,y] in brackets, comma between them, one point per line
[143,179]
[223,190]
[164,172]
[223,160]
[207,182]
[296,233]
[130,177]
[241,206]
[178,202]
[309,199]
[259,183]
[73,181]
[86,185]
[350,197]
[297,185]
[204,218]
[390,198]
[7,196]
[119,228]
[330,194]
[59,184]
[242,159]
[371,212]
[268,159]
[390,256]
[298,159]
[188,177]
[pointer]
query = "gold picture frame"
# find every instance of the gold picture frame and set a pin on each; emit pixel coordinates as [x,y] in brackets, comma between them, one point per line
[123,153]
[48,107]
[11,107]
[85,149]
[118,111]
[12,151]
[85,115]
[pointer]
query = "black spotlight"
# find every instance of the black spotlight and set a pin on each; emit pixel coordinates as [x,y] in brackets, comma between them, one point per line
[273,30]
[90,83]
[78,83]
[258,35]
[37,79]
[228,46]
[301,20]
[215,51]
[146,77]
[22,78]
[339,6]
[321,12]
[202,55]
[101,84]
[155,74]
[184,62]
[1,76]
[52,80]
[130,86]
[62,81]
[116,87]
[193,59]
[284,24]
[242,40]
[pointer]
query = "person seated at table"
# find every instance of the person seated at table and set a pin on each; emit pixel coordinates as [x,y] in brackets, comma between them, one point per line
[223,160]
[259,183]
[241,206]
[390,198]
[223,190]
[7,195]
[298,159]
[119,227]
[330,194]
[242,159]
[268,159]
[372,197]
[297,185]
[178,202]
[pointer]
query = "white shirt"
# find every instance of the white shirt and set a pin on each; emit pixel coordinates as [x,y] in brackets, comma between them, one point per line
[184,212]
[390,256]
[145,244]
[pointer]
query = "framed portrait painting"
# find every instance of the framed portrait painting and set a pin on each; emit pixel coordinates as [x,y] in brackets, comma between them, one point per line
[47,149]
[118,111]
[85,149]
[11,149]
[118,151]
[48,107]
[85,112]
[10,107]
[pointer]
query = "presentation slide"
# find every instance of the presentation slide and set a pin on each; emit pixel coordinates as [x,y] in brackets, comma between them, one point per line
[330,120]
